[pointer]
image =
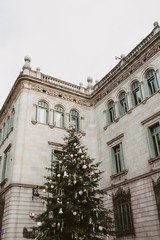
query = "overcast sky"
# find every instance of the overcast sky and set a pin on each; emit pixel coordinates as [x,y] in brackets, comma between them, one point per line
[70,39]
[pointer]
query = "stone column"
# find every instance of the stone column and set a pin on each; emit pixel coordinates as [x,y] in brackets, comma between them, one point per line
[142,90]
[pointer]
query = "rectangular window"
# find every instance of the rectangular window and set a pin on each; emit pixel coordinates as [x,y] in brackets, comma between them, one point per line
[54,158]
[1,212]
[117,159]
[154,139]
[157,194]
[123,213]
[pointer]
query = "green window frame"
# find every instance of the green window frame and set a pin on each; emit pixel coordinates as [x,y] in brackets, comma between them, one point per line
[122,104]
[153,133]
[59,115]
[42,112]
[150,83]
[136,94]
[110,112]
[117,159]
[74,117]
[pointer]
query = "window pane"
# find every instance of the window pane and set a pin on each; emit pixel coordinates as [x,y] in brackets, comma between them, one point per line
[42,116]
[58,119]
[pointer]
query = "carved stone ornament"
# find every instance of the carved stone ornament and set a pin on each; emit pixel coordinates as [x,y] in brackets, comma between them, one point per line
[28,234]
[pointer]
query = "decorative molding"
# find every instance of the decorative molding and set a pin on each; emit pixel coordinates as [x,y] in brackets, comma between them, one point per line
[150,118]
[3,182]
[33,122]
[8,148]
[119,175]
[134,179]
[55,144]
[152,160]
[51,126]
[115,139]
[105,128]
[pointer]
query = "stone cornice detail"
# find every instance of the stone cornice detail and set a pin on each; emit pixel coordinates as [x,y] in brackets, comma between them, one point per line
[115,139]
[112,80]
[134,179]
[150,118]
[71,92]
[55,144]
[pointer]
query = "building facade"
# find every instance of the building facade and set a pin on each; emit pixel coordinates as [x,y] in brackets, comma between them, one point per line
[119,118]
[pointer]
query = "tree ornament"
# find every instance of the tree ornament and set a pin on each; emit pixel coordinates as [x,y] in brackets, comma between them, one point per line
[71,155]
[60,211]
[74,181]
[58,175]
[39,224]
[50,215]
[65,174]
[84,166]
[75,195]
[58,225]
[90,220]
[44,190]
[100,228]
[80,150]
[52,186]
[74,213]
[80,192]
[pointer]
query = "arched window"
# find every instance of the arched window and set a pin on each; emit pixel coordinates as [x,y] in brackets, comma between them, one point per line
[122,104]
[110,112]
[59,116]
[136,95]
[74,117]
[150,83]
[42,112]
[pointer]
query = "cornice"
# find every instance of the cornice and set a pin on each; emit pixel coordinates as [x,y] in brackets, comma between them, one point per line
[134,179]
[55,87]
[150,118]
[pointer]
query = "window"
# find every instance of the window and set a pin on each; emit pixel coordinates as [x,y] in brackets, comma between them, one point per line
[54,157]
[5,163]
[122,104]
[154,139]
[59,116]
[150,83]
[110,112]
[123,213]
[157,194]
[1,211]
[74,117]
[42,112]
[117,159]
[136,95]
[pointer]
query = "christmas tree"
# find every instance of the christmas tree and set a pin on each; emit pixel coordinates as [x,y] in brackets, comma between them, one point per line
[74,202]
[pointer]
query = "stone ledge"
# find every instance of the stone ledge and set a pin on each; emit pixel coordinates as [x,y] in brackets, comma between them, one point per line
[152,160]
[119,174]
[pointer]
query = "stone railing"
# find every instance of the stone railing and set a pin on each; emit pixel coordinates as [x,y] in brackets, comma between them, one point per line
[126,59]
[60,83]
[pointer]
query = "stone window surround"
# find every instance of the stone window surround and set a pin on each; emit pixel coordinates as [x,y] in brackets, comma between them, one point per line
[148,122]
[51,125]
[130,110]
[112,143]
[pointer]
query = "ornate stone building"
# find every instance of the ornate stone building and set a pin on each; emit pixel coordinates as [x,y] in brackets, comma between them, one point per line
[119,118]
